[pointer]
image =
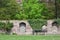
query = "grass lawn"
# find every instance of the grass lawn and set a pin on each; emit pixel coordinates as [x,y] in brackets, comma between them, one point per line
[29,37]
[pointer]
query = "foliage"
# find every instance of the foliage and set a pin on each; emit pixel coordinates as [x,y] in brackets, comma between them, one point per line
[28,9]
[6,26]
[33,9]
[2,25]
[37,23]
[8,9]
[58,8]
[14,34]
[58,21]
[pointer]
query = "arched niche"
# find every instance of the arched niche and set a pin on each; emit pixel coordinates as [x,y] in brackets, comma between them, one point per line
[22,26]
[54,27]
[55,24]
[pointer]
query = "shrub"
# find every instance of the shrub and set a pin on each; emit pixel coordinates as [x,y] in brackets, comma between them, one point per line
[2,25]
[58,21]
[14,34]
[6,26]
[37,23]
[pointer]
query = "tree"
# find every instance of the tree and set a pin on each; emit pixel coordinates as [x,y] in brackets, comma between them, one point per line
[34,9]
[8,9]
[58,8]
[29,9]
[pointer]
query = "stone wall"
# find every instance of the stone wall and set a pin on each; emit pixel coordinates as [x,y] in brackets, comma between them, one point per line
[16,28]
[52,29]
[29,31]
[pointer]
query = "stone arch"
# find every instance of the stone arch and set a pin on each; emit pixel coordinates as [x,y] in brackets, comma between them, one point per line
[54,27]
[55,24]
[22,27]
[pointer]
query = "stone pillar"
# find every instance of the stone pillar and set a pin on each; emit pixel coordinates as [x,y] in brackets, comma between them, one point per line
[28,29]
[49,26]
[15,27]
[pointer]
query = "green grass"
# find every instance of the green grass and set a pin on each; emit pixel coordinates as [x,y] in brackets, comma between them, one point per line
[30,37]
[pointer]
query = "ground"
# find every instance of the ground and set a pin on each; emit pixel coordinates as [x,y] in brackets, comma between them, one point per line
[29,37]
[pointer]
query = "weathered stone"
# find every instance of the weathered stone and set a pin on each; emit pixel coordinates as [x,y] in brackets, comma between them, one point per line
[28,29]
